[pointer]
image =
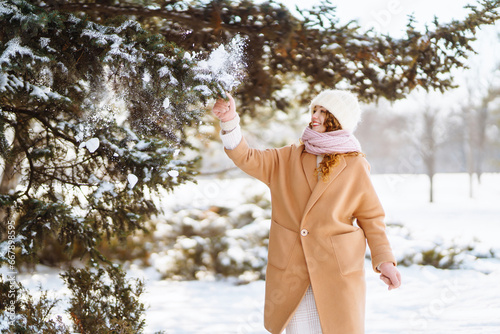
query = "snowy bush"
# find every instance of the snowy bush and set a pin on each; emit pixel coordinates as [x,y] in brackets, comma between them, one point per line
[103,301]
[31,315]
[213,242]
[438,253]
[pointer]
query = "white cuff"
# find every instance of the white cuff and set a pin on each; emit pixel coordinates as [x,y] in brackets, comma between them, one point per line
[231,139]
[230,125]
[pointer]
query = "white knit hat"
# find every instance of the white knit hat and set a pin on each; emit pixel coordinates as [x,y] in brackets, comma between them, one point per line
[342,104]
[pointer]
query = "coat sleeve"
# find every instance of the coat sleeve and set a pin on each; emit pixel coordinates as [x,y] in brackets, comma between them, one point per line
[370,217]
[261,164]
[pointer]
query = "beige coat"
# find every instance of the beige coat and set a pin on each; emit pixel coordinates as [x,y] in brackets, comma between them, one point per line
[313,239]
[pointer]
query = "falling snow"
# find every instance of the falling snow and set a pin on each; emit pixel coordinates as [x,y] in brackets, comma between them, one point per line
[132,180]
[92,144]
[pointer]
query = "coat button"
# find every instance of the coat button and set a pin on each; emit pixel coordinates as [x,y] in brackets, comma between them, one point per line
[304,232]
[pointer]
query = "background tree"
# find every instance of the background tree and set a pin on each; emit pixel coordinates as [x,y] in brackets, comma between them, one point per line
[431,137]
[477,112]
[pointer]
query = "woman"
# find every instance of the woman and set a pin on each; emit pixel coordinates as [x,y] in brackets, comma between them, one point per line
[324,209]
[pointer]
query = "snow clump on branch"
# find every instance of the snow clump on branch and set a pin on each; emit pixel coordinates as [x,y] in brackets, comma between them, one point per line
[225,65]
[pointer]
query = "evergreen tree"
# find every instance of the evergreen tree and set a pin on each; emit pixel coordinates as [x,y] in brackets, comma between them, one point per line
[88,163]
[92,126]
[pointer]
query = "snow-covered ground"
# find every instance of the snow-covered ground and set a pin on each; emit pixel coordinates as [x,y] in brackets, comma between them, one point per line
[453,215]
[430,300]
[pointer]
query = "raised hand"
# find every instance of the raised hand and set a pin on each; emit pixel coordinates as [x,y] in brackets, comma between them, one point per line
[224,110]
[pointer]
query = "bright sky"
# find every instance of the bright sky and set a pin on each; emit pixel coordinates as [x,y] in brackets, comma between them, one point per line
[391,16]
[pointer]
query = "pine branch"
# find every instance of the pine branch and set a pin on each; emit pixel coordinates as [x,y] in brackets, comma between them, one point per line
[39,116]
[315,46]
[193,17]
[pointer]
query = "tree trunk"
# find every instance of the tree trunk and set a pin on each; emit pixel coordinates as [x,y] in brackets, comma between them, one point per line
[431,194]
[10,177]
[471,185]
[481,145]
[469,146]
[430,145]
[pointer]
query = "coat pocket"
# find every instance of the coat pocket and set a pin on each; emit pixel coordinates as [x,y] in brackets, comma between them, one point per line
[281,244]
[349,249]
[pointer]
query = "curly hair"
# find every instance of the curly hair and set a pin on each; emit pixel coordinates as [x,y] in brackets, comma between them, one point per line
[331,160]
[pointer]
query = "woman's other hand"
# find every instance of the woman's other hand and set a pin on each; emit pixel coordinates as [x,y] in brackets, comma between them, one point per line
[225,110]
[390,275]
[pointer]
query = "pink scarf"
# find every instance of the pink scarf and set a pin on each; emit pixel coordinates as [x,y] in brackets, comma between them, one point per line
[339,141]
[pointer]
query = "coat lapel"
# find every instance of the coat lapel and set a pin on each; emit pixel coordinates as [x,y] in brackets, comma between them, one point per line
[309,166]
[321,186]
